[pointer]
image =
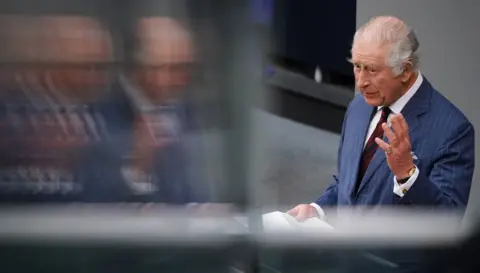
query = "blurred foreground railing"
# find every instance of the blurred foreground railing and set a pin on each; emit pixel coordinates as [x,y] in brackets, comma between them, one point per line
[223,235]
[158,224]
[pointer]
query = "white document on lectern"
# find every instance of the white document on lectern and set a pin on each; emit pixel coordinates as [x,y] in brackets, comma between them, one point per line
[278,220]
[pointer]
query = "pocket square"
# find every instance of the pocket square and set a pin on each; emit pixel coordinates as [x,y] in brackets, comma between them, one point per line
[414,156]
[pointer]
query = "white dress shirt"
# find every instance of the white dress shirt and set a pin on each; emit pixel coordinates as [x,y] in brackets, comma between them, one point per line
[396,108]
[166,120]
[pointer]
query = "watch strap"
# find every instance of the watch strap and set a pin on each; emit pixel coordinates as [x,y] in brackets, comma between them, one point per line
[410,173]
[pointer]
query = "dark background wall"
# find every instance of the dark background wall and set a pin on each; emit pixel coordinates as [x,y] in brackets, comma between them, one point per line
[315,33]
[307,35]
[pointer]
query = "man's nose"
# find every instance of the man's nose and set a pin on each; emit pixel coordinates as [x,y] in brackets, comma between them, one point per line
[362,81]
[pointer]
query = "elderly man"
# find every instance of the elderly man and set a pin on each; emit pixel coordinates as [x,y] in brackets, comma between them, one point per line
[146,158]
[402,143]
[49,112]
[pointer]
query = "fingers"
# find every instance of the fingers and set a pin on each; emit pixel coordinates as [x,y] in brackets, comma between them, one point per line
[303,214]
[397,127]
[293,212]
[403,123]
[390,135]
[382,144]
[400,127]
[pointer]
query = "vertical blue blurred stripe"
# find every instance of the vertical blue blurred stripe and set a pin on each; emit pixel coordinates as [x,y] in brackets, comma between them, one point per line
[261,11]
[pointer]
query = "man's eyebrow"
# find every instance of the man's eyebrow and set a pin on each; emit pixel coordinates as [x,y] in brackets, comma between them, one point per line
[356,62]
[364,64]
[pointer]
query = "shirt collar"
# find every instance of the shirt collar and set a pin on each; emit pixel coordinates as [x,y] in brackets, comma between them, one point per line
[139,101]
[399,104]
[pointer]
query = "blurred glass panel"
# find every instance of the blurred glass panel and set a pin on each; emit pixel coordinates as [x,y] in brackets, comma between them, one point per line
[132,104]
[146,102]
[138,238]
[56,70]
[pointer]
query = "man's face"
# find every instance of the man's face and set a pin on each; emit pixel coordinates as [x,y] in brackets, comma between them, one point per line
[158,79]
[80,51]
[166,55]
[373,77]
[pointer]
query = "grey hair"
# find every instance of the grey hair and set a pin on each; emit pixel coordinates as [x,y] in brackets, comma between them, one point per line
[389,30]
[165,30]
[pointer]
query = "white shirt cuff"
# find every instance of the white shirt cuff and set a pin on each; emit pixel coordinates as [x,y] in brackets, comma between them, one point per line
[321,213]
[402,189]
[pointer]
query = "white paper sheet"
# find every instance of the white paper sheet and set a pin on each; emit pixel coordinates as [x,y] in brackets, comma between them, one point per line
[278,220]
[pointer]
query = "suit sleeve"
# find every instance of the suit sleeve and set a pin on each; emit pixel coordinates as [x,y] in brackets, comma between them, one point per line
[329,196]
[449,181]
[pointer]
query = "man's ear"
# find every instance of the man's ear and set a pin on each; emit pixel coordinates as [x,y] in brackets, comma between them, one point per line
[407,72]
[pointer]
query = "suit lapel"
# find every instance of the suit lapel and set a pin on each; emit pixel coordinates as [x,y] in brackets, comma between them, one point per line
[361,122]
[417,105]
[376,162]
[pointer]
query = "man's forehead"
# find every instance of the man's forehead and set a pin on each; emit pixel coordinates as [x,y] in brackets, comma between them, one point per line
[163,40]
[368,52]
[166,52]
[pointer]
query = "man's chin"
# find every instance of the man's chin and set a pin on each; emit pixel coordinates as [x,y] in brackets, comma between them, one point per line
[373,101]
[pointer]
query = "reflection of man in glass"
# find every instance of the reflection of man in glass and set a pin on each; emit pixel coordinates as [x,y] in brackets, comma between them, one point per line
[52,114]
[148,129]
[158,79]
[162,56]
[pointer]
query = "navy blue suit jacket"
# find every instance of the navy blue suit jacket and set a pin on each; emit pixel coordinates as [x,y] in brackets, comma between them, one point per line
[101,174]
[96,174]
[442,139]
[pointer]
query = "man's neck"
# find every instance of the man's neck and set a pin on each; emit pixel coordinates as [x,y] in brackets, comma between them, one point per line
[407,87]
[410,83]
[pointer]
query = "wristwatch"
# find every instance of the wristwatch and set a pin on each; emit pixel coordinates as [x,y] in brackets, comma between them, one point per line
[410,173]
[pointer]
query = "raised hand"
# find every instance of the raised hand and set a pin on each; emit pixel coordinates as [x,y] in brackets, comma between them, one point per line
[398,150]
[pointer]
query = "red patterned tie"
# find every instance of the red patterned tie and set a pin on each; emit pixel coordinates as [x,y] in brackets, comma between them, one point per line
[371,146]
